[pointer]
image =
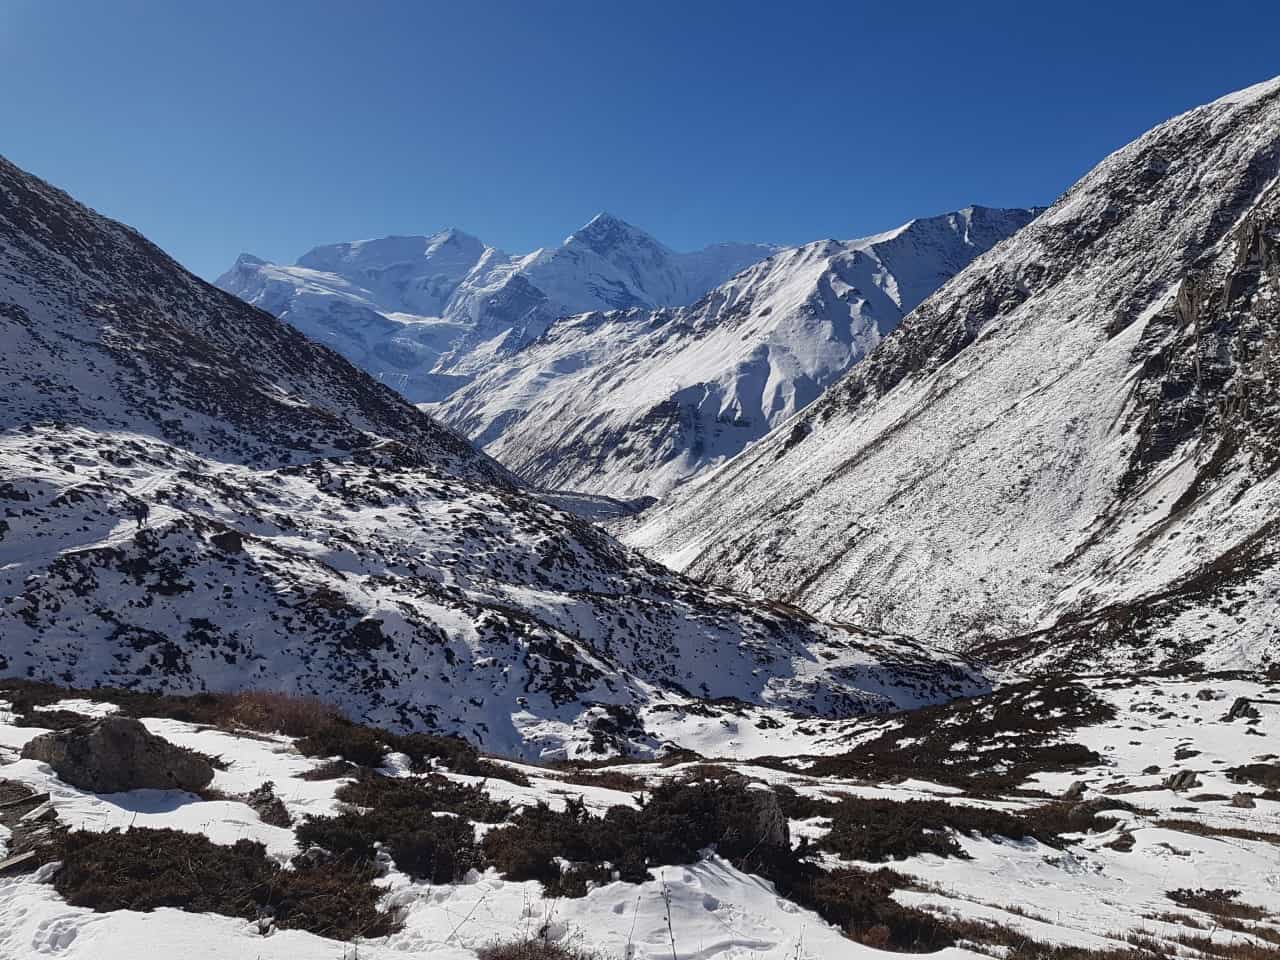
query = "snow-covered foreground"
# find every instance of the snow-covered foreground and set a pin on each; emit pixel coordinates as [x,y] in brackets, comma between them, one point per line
[1094,893]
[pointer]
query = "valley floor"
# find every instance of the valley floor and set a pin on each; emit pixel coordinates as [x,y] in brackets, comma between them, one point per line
[1125,865]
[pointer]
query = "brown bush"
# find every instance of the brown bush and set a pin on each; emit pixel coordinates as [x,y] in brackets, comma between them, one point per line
[425,795]
[607,780]
[142,869]
[877,830]
[271,712]
[533,950]
[362,746]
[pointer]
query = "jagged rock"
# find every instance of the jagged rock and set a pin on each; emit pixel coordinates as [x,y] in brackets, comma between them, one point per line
[1075,791]
[1182,780]
[114,754]
[1242,709]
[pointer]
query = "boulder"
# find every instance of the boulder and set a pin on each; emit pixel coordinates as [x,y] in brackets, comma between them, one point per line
[1244,800]
[766,821]
[1182,780]
[1075,792]
[114,754]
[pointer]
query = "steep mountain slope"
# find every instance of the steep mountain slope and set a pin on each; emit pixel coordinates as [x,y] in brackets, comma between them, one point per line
[630,403]
[1078,434]
[423,314]
[194,496]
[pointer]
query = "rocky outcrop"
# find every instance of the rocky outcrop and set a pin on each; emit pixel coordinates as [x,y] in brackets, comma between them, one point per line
[114,754]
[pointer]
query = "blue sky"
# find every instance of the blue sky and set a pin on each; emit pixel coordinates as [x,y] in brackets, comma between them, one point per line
[275,126]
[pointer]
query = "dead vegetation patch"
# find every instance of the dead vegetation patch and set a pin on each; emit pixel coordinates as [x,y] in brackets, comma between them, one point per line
[985,745]
[425,795]
[534,949]
[142,869]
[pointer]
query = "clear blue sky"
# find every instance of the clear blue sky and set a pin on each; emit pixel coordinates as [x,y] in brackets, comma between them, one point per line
[272,126]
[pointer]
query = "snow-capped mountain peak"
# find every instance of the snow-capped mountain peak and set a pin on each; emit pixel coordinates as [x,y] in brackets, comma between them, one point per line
[634,401]
[425,313]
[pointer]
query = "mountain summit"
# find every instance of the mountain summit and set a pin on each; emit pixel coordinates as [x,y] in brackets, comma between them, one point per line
[424,314]
[633,402]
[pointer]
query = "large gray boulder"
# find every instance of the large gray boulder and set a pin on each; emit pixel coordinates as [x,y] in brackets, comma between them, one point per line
[114,754]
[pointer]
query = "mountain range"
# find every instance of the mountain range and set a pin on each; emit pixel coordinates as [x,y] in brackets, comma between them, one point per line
[422,314]
[632,403]
[610,364]
[198,497]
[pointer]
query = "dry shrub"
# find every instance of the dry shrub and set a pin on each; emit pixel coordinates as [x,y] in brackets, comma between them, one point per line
[533,950]
[425,795]
[271,712]
[607,780]
[877,830]
[435,849]
[362,746]
[142,869]
[330,770]
[454,752]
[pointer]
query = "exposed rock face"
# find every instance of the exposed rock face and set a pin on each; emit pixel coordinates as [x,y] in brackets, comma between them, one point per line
[768,821]
[114,754]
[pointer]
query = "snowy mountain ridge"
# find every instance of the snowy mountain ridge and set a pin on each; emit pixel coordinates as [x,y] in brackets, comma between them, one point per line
[1068,454]
[631,403]
[423,314]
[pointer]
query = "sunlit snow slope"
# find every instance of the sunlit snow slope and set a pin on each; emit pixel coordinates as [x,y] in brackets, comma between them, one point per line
[1080,433]
[195,496]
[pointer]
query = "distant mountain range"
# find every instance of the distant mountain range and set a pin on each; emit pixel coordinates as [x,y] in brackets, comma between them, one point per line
[423,314]
[630,403]
[610,364]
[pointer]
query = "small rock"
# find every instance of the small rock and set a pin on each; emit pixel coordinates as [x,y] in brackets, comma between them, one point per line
[1123,843]
[1182,780]
[1075,791]
[1206,694]
[114,754]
